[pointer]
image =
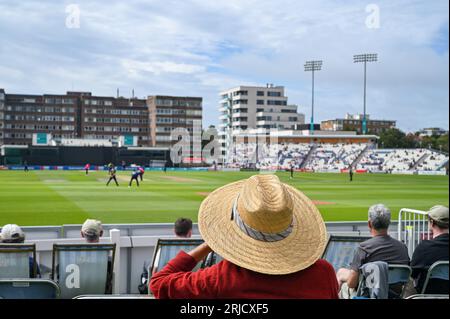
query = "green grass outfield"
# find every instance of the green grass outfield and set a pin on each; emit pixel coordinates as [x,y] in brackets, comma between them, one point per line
[69,197]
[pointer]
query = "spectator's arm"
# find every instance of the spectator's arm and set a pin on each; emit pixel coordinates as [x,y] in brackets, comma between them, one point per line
[353,278]
[177,281]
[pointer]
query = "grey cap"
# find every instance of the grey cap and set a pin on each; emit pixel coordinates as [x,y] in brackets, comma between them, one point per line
[439,213]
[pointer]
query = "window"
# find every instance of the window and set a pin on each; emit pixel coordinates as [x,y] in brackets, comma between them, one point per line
[260,102]
[273,93]
[276,102]
[260,93]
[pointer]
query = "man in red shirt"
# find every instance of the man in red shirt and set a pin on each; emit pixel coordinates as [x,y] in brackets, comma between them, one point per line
[271,237]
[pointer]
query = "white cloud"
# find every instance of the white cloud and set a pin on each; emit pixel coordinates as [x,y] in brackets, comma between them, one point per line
[197,47]
[159,67]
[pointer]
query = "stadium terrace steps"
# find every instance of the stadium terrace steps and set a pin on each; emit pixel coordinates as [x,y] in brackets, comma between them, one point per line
[309,156]
[360,156]
[420,161]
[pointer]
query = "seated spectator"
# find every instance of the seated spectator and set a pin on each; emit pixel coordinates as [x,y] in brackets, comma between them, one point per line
[430,251]
[381,247]
[183,228]
[13,234]
[271,237]
[92,230]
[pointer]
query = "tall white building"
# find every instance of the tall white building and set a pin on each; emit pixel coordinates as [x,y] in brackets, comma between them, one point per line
[255,108]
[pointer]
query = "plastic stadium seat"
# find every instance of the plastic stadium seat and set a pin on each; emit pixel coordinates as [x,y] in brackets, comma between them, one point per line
[28,289]
[438,270]
[15,260]
[82,269]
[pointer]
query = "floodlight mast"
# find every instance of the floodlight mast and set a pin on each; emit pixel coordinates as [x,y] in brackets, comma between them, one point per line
[315,65]
[364,58]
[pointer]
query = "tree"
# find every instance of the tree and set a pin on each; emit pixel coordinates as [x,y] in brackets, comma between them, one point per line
[395,138]
[442,142]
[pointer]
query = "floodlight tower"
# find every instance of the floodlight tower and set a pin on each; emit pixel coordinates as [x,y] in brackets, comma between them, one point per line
[313,66]
[359,58]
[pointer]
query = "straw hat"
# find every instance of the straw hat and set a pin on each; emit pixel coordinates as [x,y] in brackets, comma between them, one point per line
[263,225]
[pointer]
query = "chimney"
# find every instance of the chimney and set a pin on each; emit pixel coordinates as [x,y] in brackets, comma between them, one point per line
[132,94]
[117,92]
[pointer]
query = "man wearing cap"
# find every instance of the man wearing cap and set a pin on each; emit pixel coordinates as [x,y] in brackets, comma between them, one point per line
[381,247]
[13,234]
[430,251]
[271,237]
[91,231]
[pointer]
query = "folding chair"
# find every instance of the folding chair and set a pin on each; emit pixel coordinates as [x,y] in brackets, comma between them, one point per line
[82,269]
[15,260]
[28,289]
[212,259]
[438,270]
[340,250]
[398,277]
[167,249]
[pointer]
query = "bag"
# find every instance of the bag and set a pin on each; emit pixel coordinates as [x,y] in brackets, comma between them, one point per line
[143,285]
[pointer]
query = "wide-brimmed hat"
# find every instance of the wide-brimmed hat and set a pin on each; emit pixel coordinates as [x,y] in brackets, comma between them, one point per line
[263,225]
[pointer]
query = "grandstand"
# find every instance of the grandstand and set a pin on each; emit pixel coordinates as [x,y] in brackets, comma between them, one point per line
[336,157]
[403,160]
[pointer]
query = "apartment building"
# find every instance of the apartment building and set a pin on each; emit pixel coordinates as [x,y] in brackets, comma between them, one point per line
[171,112]
[255,108]
[106,118]
[80,115]
[353,122]
[2,114]
[21,115]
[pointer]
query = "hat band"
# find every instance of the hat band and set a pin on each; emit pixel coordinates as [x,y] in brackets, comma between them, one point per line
[256,234]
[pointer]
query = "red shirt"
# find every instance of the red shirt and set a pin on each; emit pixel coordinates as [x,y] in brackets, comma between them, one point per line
[226,280]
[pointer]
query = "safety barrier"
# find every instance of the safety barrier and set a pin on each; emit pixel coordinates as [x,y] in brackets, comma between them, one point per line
[412,228]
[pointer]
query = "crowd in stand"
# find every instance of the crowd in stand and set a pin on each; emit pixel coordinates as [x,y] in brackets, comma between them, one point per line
[392,160]
[271,238]
[334,157]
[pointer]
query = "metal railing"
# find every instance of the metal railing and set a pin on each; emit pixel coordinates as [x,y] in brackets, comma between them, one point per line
[412,228]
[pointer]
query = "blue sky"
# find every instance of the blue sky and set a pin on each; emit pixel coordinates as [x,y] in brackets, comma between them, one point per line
[198,48]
